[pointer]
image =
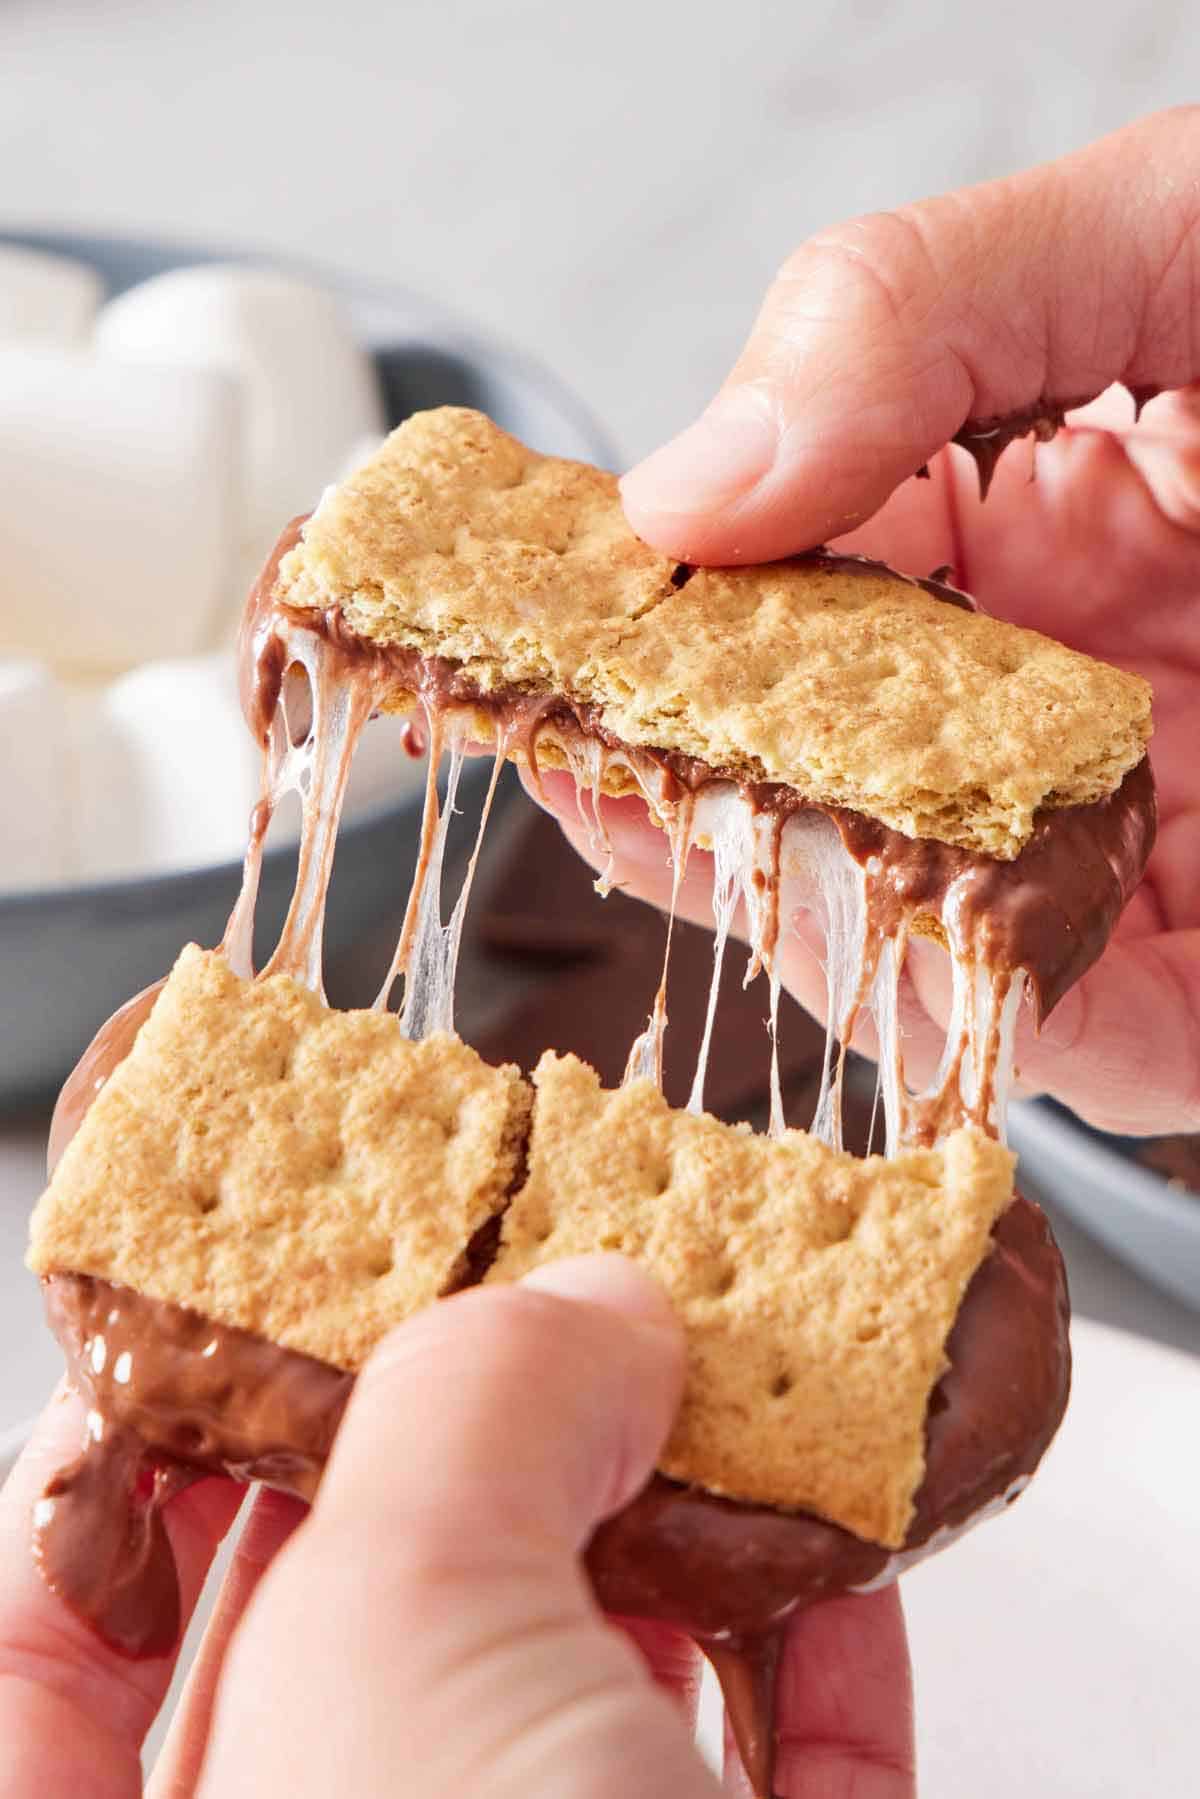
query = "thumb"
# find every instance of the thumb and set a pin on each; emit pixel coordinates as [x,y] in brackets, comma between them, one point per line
[432,1617]
[881,339]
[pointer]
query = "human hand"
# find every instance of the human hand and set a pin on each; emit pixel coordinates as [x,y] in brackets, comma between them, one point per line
[427,1628]
[877,342]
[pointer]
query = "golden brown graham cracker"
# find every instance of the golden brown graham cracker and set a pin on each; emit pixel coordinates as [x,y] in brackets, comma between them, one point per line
[856,688]
[314,1177]
[817,1289]
[305,1174]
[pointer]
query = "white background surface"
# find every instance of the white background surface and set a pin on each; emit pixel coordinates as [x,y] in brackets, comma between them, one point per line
[610,187]
[1055,1649]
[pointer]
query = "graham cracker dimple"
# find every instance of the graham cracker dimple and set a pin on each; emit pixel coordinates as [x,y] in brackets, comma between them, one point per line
[817,1290]
[314,1177]
[852,685]
[309,1175]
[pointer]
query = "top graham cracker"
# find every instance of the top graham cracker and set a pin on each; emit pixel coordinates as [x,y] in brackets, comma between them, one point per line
[843,680]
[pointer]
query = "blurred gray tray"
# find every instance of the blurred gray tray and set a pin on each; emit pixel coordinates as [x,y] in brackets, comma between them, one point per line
[70,955]
[1132,1210]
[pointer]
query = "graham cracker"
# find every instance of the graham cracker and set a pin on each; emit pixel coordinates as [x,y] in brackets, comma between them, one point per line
[314,1177]
[817,1290]
[305,1174]
[853,685]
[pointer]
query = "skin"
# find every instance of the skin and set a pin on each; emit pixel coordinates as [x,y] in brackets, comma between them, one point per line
[443,1628]
[877,341]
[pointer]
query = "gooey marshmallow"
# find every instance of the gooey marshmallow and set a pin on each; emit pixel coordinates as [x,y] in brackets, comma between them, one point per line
[143,476]
[45,298]
[118,495]
[310,390]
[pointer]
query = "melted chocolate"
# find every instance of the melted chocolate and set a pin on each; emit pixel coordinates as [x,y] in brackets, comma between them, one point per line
[986,440]
[261,652]
[1051,910]
[176,1396]
[935,584]
[100,1541]
[1141,393]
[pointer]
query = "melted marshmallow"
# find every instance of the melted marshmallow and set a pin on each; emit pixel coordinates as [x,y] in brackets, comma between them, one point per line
[767,867]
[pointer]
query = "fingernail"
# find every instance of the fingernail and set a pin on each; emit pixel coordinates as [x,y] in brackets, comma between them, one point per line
[610,1281]
[722,456]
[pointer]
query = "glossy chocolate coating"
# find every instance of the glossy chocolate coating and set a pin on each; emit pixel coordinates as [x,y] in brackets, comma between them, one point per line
[717,1568]
[260,652]
[172,1392]
[986,439]
[176,1396]
[1050,911]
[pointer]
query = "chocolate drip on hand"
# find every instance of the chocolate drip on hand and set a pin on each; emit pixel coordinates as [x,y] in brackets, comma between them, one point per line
[985,440]
[747,1669]
[101,1543]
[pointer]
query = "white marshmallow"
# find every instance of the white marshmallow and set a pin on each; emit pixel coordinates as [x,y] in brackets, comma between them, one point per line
[168,771]
[117,507]
[36,838]
[148,774]
[45,298]
[310,390]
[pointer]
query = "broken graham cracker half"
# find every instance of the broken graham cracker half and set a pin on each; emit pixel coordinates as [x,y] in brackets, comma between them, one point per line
[817,1290]
[307,1175]
[312,1177]
[832,676]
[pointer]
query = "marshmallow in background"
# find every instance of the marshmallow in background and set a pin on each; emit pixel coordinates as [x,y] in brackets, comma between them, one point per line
[168,772]
[44,298]
[118,523]
[150,774]
[310,391]
[36,837]
[358,455]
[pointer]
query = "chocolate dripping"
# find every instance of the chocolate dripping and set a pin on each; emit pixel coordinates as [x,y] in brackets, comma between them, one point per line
[985,440]
[205,1397]
[747,1671]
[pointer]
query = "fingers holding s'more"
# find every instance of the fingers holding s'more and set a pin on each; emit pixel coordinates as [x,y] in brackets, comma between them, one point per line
[73,1710]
